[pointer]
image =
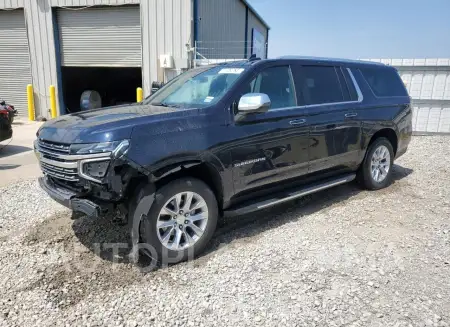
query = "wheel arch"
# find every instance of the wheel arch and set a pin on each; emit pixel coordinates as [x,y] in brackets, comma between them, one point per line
[388,133]
[202,170]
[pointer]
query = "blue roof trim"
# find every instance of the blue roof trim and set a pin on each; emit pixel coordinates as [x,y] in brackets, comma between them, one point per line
[253,10]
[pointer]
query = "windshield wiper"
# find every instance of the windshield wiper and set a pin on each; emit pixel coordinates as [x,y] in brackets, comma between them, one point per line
[163,104]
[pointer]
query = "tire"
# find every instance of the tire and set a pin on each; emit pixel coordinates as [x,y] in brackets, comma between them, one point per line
[151,236]
[365,176]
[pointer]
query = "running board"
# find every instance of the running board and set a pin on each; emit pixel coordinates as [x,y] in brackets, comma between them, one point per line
[290,195]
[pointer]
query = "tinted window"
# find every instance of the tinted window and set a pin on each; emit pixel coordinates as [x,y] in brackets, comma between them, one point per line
[276,82]
[384,82]
[350,85]
[320,84]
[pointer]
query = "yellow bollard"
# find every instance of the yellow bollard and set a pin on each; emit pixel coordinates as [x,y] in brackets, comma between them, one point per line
[53,101]
[139,94]
[30,97]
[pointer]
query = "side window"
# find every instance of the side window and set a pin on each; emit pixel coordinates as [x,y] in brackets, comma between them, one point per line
[350,84]
[384,81]
[320,84]
[276,82]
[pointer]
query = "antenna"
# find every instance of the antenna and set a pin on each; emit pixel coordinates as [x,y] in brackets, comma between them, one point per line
[253,57]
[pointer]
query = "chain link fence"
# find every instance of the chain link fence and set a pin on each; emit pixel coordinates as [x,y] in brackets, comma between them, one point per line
[212,52]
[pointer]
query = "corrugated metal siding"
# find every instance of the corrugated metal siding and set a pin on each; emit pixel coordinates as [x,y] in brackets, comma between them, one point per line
[254,22]
[38,15]
[429,87]
[221,29]
[427,84]
[81,3]
[15,66]
[166,29]
[105,37]
[431,117]
[11,4]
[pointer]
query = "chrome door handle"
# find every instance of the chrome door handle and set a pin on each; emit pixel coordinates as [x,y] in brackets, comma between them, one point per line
[350,115]
[297,121]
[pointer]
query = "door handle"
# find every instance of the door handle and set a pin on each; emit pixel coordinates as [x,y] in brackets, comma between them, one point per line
[297,121]
[351,114]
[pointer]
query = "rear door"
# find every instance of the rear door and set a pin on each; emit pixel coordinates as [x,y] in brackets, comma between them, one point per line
[270,147]
[335,132]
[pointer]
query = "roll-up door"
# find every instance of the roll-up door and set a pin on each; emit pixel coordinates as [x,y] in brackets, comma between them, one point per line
[100,37]
[15,67]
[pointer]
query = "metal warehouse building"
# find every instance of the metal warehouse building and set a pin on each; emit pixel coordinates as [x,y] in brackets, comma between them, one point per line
[428,84]
[115,46]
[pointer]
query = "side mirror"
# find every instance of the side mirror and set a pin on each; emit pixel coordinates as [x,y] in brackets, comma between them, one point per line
[254,103]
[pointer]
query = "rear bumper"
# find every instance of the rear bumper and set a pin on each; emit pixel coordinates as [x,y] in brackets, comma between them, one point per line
[69,199]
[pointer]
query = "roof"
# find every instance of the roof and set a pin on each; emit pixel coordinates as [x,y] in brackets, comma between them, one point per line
[340,60]
[414,62]
[253,10]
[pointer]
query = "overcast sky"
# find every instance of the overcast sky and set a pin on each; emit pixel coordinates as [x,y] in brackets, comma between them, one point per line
[357,28]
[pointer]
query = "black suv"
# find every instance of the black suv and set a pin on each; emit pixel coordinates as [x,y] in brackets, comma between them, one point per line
[227,139]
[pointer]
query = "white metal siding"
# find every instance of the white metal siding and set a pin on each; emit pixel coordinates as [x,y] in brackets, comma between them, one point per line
[81,3]
[38,15]
[15,67]
[11,4]
[221,29]
[105,37]
[166,29]
[431,117]
[254,22]
[426,84]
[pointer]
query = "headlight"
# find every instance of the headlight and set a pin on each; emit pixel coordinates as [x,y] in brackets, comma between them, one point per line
[94,168]
[121,146]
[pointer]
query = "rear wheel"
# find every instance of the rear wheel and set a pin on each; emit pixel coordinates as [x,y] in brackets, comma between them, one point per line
[376,170]
[181,220]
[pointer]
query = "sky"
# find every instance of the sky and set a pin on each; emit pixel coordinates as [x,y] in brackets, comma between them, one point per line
[357,29]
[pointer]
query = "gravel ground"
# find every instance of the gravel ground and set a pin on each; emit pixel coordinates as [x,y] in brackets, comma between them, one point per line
[342,257]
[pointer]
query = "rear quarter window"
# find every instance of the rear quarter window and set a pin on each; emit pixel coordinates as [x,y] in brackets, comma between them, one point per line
[384,81]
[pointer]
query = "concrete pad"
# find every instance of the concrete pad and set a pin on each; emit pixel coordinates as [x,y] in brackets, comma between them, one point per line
[17,159]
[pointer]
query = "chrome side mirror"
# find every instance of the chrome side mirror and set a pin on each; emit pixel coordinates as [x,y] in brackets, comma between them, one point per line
[254,103]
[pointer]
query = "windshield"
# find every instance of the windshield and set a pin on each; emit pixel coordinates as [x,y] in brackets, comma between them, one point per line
[196,88]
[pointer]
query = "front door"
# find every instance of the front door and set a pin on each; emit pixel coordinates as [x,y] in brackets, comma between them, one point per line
[270,147]
[335,134]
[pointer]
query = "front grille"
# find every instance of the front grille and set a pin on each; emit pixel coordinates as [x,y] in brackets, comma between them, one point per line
[51,147]
[54,162]
[67,174]
[57,162]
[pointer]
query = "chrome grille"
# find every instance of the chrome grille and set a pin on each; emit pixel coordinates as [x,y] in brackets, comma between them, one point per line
[67,174]
[56,161]
[50,147]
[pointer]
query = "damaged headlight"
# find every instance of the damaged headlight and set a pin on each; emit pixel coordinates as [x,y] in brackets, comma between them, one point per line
[103,147]
[95,168]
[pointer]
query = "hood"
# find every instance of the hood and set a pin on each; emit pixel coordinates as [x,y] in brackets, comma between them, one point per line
[104,124]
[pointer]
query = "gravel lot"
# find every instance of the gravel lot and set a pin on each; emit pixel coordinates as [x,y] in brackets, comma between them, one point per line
[342,257]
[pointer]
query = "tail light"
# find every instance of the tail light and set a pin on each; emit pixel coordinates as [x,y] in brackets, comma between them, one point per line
[4,112]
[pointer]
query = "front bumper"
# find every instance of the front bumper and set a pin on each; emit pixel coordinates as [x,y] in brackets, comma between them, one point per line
[69,198]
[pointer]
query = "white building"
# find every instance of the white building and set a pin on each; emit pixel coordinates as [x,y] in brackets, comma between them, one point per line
[114,46]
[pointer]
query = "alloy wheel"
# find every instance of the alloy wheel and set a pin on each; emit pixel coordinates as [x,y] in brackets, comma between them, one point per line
[380,163]
[182,221]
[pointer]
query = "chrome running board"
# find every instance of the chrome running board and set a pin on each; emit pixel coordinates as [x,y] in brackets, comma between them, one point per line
[290,195]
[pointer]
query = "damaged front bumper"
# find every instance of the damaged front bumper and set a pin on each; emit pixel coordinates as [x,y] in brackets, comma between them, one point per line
[69,198]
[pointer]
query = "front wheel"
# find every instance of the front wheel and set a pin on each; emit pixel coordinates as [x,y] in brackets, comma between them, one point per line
[181,221]
[376,170]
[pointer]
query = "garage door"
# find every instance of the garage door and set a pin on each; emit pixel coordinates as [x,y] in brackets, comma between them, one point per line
[15,67]
[100,37]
